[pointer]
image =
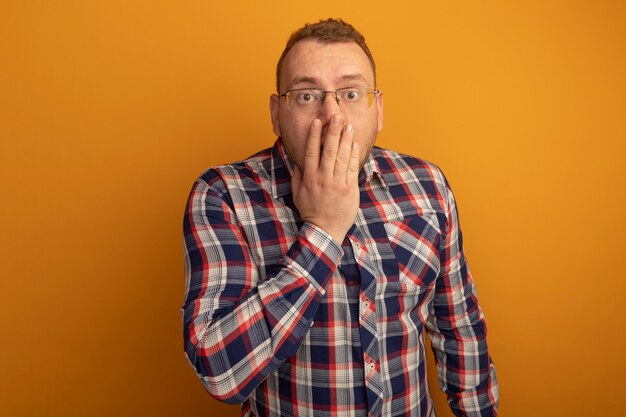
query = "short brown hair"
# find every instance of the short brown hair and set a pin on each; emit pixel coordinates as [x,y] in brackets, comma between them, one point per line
[325,31]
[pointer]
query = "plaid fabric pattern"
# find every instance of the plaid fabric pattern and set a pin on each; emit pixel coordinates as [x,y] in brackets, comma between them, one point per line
[279,317]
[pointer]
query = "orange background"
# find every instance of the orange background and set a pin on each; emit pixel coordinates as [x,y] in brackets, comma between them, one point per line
[109,110]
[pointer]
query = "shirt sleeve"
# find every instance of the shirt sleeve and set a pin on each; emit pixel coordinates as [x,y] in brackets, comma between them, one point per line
[239,328]
[458,331]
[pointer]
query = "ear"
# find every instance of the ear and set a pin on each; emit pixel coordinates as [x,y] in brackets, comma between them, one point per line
[379,105]
[274,101]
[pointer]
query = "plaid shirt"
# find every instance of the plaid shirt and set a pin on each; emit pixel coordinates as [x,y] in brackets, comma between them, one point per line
[279,317]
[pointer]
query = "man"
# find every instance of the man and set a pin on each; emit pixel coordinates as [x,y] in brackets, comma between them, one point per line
[313,268]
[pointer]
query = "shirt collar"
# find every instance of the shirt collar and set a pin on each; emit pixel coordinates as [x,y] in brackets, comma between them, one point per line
[371,170]
[281,170]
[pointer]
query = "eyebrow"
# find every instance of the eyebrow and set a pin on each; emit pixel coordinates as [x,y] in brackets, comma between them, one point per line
[303,80]
[316,81]
[351,77]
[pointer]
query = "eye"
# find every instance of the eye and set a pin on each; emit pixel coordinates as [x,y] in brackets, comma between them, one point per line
[351,95]
[305,97]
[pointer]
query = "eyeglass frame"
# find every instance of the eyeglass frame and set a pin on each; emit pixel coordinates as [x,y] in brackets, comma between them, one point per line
[372,91]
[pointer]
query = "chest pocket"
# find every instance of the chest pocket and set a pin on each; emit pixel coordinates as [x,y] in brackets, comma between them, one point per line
[415,243]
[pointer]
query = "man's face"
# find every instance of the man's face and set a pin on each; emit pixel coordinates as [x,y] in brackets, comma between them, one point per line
[312,64]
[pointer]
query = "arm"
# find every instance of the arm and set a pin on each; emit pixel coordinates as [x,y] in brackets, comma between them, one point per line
[458,331]
[238,331]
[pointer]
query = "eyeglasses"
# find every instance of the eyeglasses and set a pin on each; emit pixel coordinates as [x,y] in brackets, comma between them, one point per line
[310,100]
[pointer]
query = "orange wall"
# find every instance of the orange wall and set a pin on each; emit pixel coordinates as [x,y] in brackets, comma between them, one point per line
[110,109]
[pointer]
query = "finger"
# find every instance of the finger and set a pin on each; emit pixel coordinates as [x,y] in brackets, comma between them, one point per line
[331,144]
[313,145]
[344,152]
[352,173]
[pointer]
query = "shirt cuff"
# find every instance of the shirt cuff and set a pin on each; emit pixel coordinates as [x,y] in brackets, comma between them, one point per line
[315,257]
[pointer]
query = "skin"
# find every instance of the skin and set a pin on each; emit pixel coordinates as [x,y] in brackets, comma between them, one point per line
[327,149]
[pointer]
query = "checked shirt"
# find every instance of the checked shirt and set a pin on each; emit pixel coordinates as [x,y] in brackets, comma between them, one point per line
[281,318]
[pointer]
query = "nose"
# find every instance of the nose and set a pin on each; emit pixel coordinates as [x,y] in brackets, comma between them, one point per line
[330,107]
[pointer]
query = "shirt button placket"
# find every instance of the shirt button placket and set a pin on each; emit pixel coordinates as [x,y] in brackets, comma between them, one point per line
[357,248]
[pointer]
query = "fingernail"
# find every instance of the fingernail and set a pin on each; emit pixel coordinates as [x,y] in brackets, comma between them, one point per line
[317,123]
[336,119]
[349,128]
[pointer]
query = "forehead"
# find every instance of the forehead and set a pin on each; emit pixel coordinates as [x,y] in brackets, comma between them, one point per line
[326,65]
